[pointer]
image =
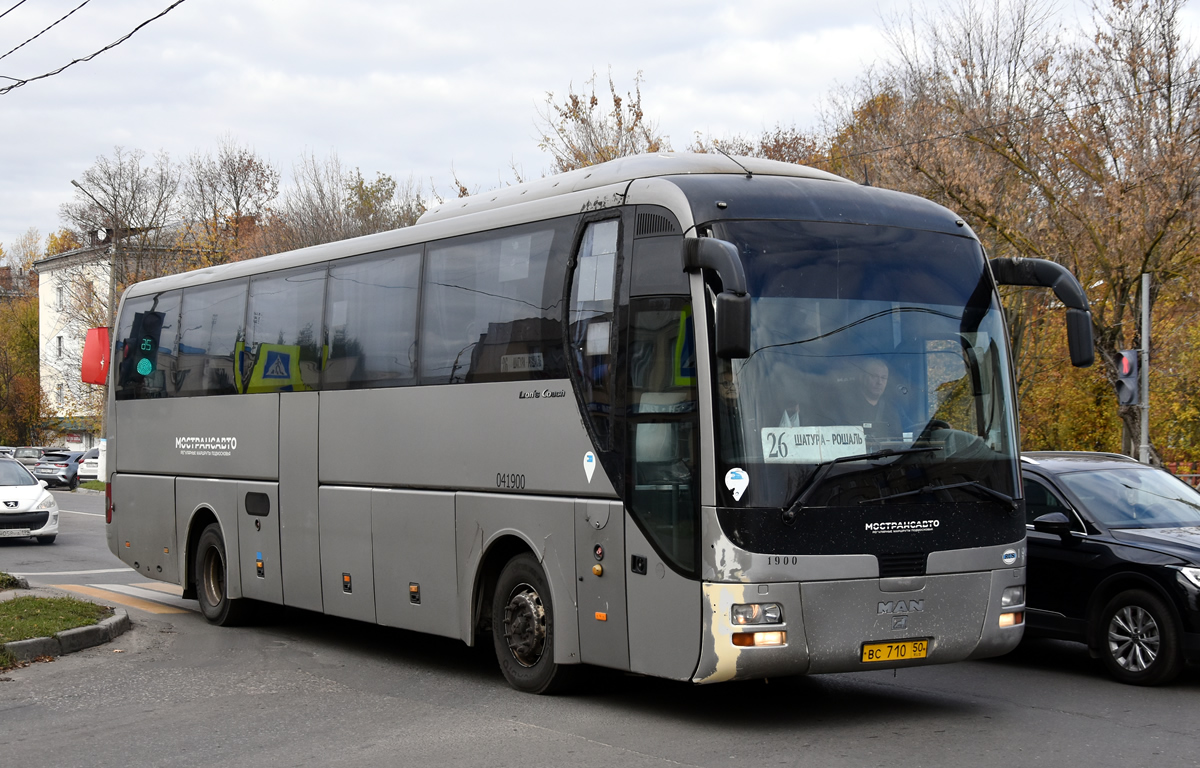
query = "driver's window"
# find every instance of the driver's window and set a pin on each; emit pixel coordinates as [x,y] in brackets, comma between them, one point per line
[1040,500]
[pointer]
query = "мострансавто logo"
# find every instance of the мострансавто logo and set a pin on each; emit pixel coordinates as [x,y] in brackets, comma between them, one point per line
[903,526]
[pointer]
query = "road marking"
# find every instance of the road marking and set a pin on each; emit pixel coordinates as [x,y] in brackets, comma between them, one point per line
[140,592]
[89,514]
[162,586]
[109,596]
[76,573]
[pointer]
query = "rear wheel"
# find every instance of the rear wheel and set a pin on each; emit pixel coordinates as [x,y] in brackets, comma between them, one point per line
[523,629]
[1139,641]
[211,582]
[74,483]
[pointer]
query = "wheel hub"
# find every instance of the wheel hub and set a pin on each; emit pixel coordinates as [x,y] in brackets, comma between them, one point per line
[525,625]
[1133,638]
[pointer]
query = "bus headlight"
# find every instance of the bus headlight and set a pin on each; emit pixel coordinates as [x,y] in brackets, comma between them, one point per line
[1012,596]
[756,613]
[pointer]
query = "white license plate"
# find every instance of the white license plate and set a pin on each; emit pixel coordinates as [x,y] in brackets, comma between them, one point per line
[13,533]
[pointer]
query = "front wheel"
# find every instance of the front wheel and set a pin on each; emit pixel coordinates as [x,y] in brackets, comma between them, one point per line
[523,628]
[211,584]
[1139,641]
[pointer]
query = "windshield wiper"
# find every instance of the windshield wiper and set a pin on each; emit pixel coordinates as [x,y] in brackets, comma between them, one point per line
[789,512]
[970,485]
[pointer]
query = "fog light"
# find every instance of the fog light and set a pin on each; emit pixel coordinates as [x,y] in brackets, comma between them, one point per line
[1012,619]
[756,613]
[759,639]
[1012,596]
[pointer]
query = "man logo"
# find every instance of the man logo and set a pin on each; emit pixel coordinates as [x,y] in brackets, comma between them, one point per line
[902,606]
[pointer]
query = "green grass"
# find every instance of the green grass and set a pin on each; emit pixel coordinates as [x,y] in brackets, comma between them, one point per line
[93,485]
[26,617]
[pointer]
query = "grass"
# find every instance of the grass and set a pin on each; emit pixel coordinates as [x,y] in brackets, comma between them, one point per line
[8,582]
[92,485]
[26,617]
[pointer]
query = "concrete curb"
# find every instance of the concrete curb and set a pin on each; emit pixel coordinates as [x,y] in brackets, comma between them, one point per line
[71,640]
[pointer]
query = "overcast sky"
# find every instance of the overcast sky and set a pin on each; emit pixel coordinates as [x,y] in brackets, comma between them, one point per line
[397,87]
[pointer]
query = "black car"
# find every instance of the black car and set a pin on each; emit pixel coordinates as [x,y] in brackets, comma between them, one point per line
[1114,561]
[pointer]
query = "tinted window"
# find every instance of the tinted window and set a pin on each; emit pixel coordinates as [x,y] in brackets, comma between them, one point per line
[1135,498]
[371,320]
[146,346]
[211,328]
[493,306]
[1040,500]
[283,348]
[592,324]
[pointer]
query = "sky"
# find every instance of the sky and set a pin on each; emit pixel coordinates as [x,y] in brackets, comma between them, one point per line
[422,89]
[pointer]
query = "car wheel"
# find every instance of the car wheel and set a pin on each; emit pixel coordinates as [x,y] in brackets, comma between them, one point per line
[523,629]
[47,539]
[211,570]
[74,482]
[1139,639]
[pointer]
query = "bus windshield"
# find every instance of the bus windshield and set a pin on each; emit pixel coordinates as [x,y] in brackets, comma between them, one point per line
[878,342]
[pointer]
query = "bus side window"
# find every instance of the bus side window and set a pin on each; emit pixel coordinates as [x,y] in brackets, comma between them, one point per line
[591,324]
[283,350]
[147,346]
[211,328]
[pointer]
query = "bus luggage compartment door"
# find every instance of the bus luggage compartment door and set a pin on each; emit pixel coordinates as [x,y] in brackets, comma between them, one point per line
[258,537]
[599,559]
[144,513]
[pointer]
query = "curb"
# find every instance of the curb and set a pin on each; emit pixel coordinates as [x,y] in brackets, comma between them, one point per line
[71,640]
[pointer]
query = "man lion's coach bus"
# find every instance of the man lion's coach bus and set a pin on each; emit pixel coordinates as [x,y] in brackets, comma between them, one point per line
[690,416]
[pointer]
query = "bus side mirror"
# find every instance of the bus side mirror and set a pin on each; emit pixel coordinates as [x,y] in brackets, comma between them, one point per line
[1047,274]
[733,303]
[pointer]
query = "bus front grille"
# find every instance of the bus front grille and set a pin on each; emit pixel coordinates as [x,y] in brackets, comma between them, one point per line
[904,564]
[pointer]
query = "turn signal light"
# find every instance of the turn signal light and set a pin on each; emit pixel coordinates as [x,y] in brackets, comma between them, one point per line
[759,639]
[1012,619]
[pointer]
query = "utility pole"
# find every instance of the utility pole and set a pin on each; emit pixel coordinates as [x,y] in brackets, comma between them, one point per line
[1144,452]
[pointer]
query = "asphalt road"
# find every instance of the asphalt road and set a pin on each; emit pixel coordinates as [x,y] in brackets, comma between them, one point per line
[303,689]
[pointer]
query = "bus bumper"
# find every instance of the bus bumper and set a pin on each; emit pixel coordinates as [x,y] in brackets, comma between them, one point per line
[825,626]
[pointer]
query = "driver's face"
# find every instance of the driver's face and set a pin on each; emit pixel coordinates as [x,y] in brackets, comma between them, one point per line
[875,379]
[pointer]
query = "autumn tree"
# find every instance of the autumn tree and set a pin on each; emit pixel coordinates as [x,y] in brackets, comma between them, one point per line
[223,198]
[585,129]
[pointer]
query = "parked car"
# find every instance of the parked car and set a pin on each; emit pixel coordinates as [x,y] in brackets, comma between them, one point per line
[1114,561]
[89,468]
[6,452]
[29,454]
[59,468]
[26,507]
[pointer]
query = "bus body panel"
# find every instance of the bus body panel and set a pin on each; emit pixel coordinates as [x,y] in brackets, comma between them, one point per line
[347,565]
[258,522]
[665,613]
[721,660]
[412,535]
[547,526]
[144,523]
[228,437]
[299,524]
[521,437]
[600,544]
[196,496]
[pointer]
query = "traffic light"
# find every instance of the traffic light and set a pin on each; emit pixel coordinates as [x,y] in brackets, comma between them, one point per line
[1127,378]
[147,327]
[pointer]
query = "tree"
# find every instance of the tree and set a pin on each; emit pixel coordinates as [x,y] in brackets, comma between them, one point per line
[579,132]
[22,404]
[223,198]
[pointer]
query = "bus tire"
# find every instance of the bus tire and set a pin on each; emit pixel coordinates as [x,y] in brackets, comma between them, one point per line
[211,572]
[523,628]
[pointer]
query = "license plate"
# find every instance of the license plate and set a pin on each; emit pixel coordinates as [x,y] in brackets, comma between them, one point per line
[12,533]
[899,651]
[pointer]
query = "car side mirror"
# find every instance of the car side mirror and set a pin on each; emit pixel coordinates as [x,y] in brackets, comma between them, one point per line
[1053,522]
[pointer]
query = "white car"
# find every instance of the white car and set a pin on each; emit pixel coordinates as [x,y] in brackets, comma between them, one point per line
[89,469]
[26,507]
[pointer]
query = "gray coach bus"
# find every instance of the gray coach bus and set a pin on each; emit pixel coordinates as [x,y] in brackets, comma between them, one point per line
[691,416]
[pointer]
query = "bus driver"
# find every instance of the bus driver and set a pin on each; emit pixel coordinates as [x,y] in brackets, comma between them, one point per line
[868,404]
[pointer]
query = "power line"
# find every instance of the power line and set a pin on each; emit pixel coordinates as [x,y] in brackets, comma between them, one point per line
[44,31]
[10,10]
[19,82]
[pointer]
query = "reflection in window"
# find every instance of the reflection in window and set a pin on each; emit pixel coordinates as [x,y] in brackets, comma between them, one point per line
[283,351]
[159,312]
[211,329]
[493,306]
[591,324]
[371,321]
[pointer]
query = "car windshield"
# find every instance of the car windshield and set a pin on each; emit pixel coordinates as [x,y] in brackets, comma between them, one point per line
[865,340]
[27,453]
[1135,497]
[12,473]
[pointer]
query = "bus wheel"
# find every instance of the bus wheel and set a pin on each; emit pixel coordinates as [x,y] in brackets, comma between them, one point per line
[211,572]
[523,628]
[1140,640]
